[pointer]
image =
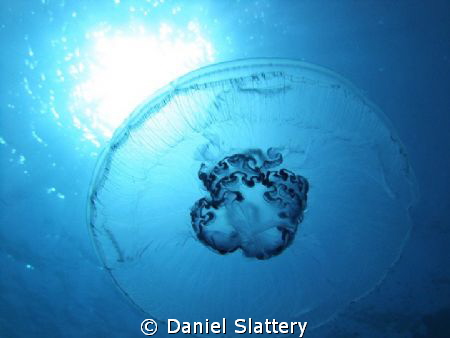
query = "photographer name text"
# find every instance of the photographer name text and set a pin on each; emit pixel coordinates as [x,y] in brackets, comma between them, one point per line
[241,326]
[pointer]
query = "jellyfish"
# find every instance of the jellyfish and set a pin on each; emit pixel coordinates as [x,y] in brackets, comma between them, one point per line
[259,188]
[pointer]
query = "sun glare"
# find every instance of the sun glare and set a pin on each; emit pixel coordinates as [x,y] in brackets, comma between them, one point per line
[123,68]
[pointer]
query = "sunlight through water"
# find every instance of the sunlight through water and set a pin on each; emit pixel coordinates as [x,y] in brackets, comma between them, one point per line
[123,67]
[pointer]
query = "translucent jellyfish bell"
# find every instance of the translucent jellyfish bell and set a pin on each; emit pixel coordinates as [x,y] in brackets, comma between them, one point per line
[258,189]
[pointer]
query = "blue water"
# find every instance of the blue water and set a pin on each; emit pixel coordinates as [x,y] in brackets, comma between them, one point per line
[71,72]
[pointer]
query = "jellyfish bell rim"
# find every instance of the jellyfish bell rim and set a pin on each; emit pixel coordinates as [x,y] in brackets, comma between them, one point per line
[241,65]
[221,68]
[221,72]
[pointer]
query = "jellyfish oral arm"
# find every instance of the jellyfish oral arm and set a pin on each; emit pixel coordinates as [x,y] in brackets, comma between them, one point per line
[250,207]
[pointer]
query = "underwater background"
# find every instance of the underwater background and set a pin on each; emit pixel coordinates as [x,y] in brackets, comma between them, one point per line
[72,71]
